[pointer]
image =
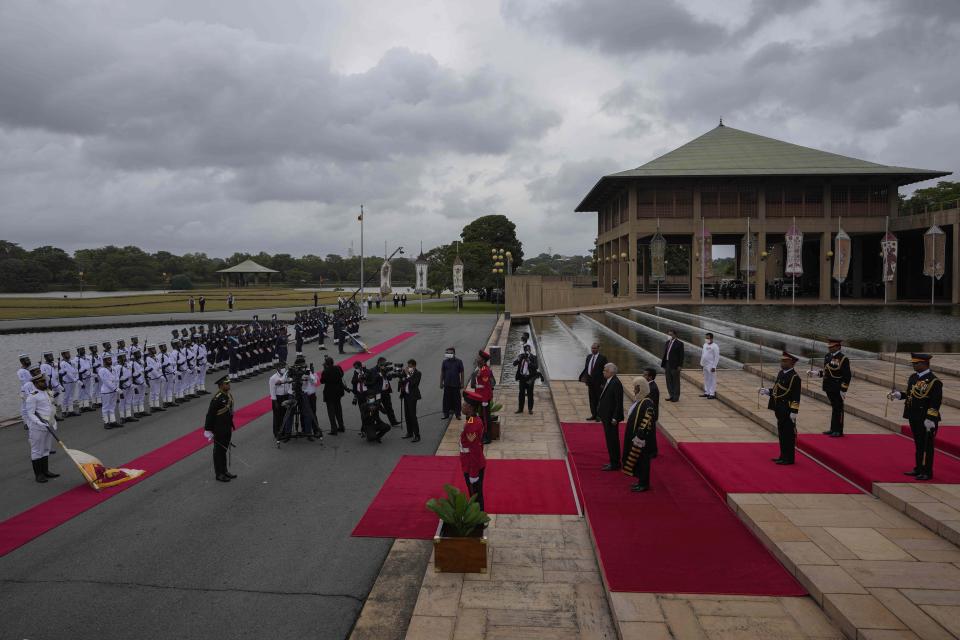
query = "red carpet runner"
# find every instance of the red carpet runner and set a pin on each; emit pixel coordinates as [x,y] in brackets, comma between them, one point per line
[745,467]
[24,527]
[867,458]
[509,486]
[948,438]
[679,537]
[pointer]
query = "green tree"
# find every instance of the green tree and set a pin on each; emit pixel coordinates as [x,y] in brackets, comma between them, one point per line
[23,275]
[945,194]
[58,263]
[494,231]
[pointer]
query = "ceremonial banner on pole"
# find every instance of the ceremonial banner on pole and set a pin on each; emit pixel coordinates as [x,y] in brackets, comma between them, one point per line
[658,251]
[793,265]
[748,253]
[841,256]
[385,274]
[421,268]
[706,253]
[458,276]
[889,248]
[934,250]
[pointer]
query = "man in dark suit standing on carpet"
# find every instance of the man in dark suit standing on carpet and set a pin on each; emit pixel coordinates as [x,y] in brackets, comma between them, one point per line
[592,376]
[672,362]
[610,412]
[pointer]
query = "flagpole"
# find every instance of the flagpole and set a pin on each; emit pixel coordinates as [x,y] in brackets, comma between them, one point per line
[361,250]
[793,271]
[703,257]
[749,246]
[837,257]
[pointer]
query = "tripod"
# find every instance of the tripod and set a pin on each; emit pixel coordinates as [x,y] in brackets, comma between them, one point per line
[299,421]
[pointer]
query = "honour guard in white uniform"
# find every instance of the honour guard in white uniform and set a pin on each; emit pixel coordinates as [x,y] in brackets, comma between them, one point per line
[40,419]
[139,384]
[84,380]
[69,374]
[108,392]
[153,369]
[51,373]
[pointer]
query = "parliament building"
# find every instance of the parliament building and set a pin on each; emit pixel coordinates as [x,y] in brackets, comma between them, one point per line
[729,181]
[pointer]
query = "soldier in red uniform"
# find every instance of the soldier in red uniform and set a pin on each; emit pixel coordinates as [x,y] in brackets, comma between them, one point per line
[472,461]
[484,390]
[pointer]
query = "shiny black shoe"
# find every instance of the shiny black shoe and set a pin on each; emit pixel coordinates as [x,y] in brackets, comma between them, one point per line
[610,467]
[639,488]
[923,476]
[334,432]
[415,439]
[520,410]
[406,436]
[132,420]
[223,478]
[776,459]
[785,462]
[913,473]
[836,434]
[230,475]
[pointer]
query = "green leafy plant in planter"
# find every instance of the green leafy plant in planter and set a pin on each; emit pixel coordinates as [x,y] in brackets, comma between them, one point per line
[458,512]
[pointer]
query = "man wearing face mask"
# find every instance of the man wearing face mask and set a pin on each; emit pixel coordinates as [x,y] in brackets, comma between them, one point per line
[451,381]
[709,359]
[410,395]
[528,370]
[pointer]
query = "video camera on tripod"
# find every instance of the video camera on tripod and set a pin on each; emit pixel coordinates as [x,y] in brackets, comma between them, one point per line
[299,421]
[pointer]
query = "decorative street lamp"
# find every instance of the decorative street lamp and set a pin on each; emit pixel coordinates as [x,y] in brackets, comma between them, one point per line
[81,284]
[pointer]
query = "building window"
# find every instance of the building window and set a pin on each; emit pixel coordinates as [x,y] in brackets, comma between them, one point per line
[748,203]
[858,201]
[813,201]
[709,204]
[879,201]
[774,202]
[683,203]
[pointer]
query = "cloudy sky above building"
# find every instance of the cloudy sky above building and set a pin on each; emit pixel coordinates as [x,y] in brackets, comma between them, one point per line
[201,125]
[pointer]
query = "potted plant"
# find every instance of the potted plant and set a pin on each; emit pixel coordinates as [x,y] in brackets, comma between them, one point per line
[494,425]
[460,544]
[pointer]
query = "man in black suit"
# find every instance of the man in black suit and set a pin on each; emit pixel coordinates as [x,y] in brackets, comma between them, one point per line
[650,374]
[333,390]
[610,412]
[592,376]
[672,362]
[528,370]
[409,395]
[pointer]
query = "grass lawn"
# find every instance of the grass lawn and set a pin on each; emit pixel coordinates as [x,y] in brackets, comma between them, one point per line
[445,307]
[244,299]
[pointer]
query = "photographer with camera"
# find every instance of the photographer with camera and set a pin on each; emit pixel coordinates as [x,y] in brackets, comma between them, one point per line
[528,370]
[333,390]
[388,371]
[409,395]
[366,392]
[297,409]
[279,386]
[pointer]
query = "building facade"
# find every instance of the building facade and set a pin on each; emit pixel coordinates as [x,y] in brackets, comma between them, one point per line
[730,183]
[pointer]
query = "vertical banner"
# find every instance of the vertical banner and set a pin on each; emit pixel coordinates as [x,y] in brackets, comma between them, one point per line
[793,264]
[421,268]
[748,253]
[458,276]
[706,253]
[841,256]
[934,248]
[385,273]
[658,254]
[888,247]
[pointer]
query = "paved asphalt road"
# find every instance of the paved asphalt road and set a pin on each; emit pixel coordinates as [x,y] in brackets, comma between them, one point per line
[268,555]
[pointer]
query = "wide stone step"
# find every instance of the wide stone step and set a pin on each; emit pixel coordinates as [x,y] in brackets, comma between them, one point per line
[935,506]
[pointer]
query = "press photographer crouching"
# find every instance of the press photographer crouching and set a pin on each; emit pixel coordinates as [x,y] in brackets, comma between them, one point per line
[388,371]
[367,397]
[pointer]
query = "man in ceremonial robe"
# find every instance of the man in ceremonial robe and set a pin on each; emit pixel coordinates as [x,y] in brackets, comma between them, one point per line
[218,428]
[836,376]
[922,409]
[472,461]
[484,389]
[640,432]
[650,374]
[785,404]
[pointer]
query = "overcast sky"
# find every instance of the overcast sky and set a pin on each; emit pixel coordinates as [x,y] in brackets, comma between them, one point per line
[244,125]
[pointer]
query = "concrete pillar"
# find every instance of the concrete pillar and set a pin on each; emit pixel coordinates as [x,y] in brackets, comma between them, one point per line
[824,267]
[761,265]
[955,266]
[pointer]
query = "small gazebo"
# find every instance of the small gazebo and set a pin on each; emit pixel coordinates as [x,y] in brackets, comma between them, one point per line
[241,270]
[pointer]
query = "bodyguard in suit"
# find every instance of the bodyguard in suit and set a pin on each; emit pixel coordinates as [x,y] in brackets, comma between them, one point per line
[410,395]
[592,376]
[333,391]
[528,370]
[610,412]
[922,409]
[785,404]
[672,362]
[650,375]
[836,376]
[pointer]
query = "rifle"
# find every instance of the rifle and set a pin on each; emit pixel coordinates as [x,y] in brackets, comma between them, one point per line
[893,378]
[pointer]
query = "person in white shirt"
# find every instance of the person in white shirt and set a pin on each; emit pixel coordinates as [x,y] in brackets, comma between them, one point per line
[709,359]
[51,373]
[153,370]
[40,414]
[280,389]
[109,381]
[527,341]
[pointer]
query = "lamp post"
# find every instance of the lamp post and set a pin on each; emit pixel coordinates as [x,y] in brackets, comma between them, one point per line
[81,284]
[166,279]
[500,257]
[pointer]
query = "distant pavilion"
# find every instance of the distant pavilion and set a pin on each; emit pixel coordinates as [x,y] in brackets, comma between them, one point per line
[239,272]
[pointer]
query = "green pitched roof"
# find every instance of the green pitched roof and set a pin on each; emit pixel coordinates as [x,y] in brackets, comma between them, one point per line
[727,152]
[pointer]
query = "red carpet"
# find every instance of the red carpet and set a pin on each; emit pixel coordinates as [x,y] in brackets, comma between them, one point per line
[679,537]
[869,458]
[509,486]
[948,438]
[745,467]
[24,527]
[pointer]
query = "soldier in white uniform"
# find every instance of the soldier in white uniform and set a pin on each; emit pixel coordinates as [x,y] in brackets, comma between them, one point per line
[121,350]
[709,360]
[139,384]
[153,370]
[23,378]
[180,357]
[108,392]
[96,361]
[51,373]
[84,380]
[169,367]
[190,388]
[127,391]
[40,414]
[202,368]
[69,381]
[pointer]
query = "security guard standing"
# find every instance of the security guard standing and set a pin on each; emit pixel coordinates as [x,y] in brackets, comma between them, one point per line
[922,409]
[836,376]
[40,414]
[218,428]
[785,404]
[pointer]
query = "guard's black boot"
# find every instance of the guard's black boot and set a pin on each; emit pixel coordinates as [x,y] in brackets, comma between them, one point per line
[45,467]
[38,471]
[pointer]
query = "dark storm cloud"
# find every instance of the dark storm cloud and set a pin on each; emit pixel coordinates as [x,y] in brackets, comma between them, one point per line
[567,185]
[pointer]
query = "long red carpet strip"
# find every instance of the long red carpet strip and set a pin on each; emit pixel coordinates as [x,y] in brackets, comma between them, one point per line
[868,458]
[27,525]
[679,537]
[746,467]
[948,438]
[509,486]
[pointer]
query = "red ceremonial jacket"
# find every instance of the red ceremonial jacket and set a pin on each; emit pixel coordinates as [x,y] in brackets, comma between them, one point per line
[485,383]
[472,440]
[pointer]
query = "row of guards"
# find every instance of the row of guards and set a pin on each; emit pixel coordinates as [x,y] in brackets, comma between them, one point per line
[934,253]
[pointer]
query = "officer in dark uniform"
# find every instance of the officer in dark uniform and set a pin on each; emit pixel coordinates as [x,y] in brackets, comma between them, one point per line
[836,376]
[922,409]
[785,404]
[219,428]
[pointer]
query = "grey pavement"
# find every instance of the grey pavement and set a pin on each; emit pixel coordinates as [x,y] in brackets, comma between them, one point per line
[181,555]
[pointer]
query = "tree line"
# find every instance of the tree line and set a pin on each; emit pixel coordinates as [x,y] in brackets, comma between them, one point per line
[113,268]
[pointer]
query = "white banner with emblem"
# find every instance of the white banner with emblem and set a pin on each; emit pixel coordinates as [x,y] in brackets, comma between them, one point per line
[458,276]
